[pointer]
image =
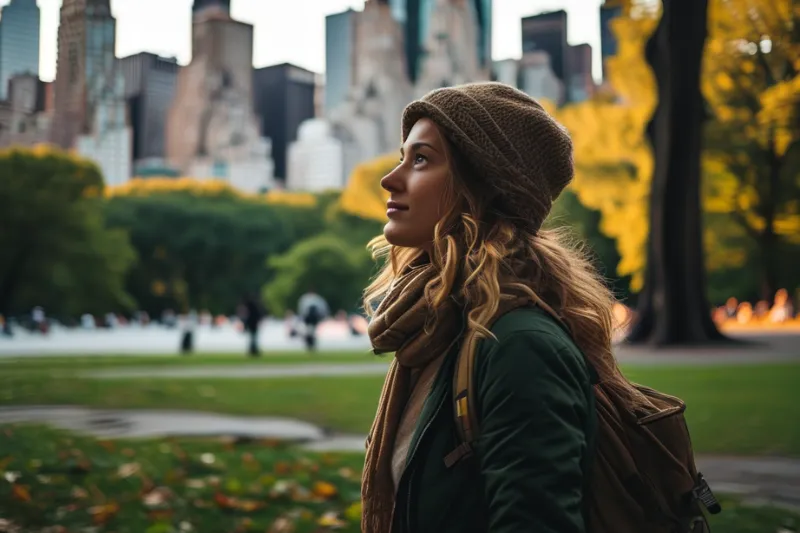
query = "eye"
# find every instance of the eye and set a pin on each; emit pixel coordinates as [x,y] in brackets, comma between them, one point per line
[419,159]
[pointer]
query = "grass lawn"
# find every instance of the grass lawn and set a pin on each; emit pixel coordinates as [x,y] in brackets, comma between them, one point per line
[731,409]
[67,483]
[89,362]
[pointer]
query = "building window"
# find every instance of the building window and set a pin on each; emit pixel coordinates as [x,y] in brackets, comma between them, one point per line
[72,65]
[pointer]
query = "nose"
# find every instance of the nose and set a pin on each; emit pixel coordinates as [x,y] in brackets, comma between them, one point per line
[394,181]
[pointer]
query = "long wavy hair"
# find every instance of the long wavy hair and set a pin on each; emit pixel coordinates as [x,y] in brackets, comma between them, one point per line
[481,258]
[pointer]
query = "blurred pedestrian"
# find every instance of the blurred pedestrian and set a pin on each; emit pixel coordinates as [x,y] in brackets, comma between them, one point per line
[251,313]
[312,309]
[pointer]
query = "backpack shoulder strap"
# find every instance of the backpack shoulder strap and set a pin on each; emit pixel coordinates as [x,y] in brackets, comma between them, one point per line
[464,401]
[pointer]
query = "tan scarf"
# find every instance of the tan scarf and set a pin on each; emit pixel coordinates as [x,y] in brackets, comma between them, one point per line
[399,325]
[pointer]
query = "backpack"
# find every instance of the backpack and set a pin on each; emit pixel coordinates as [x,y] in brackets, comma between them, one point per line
[312,317]
[643,476]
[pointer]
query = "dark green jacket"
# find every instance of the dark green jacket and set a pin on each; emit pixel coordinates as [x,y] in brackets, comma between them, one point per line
[536,408]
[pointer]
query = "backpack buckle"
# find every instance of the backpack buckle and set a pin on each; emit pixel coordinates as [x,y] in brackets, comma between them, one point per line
[462,451]
[703,493]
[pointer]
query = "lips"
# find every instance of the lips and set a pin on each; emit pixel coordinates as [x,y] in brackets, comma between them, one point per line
[391,205]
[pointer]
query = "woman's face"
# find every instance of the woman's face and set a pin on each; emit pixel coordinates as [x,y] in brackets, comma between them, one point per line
[418,187]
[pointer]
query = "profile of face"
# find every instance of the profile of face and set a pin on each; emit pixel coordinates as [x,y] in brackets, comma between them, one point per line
[418,187]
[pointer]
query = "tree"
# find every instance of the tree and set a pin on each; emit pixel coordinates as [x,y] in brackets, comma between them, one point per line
[364,197]
[584,224]
[202,244]
[672,306]
[329,264]
[752,84]
[613,160]
[56,250]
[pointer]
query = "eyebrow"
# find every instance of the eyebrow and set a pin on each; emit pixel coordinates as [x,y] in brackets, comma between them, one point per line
[417,145]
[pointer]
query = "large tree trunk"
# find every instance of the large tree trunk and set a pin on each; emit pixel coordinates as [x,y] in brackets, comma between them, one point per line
[673,308]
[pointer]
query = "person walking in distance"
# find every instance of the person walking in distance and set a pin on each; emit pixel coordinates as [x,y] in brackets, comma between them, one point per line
[251,314]
[312,309]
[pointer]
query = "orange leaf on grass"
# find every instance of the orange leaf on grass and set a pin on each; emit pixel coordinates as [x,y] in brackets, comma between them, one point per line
[103,513]
[20,492]
[323,489]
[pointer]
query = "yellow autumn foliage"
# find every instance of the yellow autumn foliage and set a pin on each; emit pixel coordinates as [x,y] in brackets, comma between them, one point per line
[364,197]
[613,160]
[155,185]
[207,187]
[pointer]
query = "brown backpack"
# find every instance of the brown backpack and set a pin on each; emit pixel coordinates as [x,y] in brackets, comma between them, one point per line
[643,477]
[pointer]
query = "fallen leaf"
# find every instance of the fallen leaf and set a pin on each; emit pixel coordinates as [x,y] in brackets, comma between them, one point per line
[128,452]
[282,468]
[20,492]
[282,525]
[331,519]
[103,513]
[323,489]
[107,444]
[161,515]
[11,477]
[353,513]
[128,469]
[156,497]
[195,483]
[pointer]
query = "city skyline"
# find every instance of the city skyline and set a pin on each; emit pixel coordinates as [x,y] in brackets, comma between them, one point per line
[298,35]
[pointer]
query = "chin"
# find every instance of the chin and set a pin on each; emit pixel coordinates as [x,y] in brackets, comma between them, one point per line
[398,236]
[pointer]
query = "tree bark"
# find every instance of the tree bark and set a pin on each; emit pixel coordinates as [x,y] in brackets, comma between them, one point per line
[673,307]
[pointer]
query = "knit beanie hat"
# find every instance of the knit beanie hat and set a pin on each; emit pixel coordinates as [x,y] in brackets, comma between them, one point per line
[520,158]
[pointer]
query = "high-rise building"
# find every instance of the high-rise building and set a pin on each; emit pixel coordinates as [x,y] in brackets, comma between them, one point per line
[149,90]
[547,32]
[416,19]
[19,41]
[608,41]
[450,55]
[89,111]
[25,114]
[212,130]
[284,98]
[198,5]
[339,57]
[581,83]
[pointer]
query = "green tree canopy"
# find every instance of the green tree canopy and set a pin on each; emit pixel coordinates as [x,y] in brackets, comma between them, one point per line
[56,249]
[330,265]
[204,246]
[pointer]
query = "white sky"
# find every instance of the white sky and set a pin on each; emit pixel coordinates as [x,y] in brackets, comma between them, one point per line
[293,30]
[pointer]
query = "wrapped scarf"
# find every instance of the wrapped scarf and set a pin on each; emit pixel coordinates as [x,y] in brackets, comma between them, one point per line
[399,325]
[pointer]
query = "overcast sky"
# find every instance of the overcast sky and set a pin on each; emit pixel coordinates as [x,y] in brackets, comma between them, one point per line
[292,30]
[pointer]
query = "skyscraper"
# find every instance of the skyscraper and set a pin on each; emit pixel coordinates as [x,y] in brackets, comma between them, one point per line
[547,32]
[211,129]
[284,98]
[19,41]
[225,5]
[608,41]
[89,110]
[149,90]
[581,83]
[416,19]
[339,57]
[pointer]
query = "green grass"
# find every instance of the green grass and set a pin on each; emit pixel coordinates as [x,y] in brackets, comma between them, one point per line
[69,483]
[81,363]
[745,409]
[170,486]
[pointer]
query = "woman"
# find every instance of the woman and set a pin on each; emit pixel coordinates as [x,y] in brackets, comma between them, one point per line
[469,262]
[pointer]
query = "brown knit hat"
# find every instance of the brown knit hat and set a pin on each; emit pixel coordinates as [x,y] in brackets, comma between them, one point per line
[519,155]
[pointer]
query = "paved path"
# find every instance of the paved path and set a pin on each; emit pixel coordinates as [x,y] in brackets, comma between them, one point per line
[153,339]
[774,481]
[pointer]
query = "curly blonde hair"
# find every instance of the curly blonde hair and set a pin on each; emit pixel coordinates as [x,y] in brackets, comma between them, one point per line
[478,257]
